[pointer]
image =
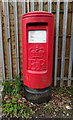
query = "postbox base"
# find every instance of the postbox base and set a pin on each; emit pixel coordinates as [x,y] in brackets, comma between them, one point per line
[38,95]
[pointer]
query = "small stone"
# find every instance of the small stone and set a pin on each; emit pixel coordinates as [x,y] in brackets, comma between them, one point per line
[70,95]
[19,101]
[24,99]
[32,103]
[64,112]
[68,107]
[56,110]
[6,97]
[54,113]
[42,114]
[67,114]
[36,109]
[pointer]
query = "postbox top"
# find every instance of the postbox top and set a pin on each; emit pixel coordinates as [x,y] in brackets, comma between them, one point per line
[37,13]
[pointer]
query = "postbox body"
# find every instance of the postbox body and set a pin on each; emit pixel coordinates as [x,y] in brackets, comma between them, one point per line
[37,47]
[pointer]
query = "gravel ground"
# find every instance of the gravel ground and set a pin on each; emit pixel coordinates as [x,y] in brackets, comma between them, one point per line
[60,106]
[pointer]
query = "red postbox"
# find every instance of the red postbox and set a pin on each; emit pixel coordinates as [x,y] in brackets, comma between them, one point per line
[37,47]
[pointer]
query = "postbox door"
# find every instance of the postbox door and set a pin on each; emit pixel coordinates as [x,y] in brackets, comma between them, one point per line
[37,49]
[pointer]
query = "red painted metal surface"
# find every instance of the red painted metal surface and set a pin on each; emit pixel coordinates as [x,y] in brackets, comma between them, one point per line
[37,57]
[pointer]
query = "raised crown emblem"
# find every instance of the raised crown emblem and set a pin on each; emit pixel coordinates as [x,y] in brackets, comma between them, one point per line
[37,52]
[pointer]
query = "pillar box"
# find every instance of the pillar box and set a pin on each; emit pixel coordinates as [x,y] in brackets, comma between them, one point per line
[37,52]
